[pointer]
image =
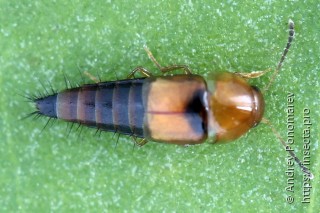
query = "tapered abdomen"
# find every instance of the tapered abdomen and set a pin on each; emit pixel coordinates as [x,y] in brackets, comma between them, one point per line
[115,106]
[166,109]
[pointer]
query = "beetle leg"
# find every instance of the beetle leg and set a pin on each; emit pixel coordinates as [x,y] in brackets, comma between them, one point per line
[139,142]
[254,74]
[93,78]
[142,70]
[185,68]
[166,69]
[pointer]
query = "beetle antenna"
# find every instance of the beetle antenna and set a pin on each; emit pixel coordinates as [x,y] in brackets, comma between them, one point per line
[283,57]
[304,169]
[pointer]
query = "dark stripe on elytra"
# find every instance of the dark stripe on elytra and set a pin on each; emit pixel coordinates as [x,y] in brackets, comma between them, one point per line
[67,104]
[104,108]
[196,114]
[86,105]
[136,108]
[120,106]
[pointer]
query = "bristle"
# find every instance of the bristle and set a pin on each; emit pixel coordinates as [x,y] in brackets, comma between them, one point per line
[117,141]
[66,81]
[47,123]
[34,115]
[69,128]
[80,130]
[46,92]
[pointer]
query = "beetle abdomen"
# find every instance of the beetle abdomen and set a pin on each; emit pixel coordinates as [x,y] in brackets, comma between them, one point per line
[110,106]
